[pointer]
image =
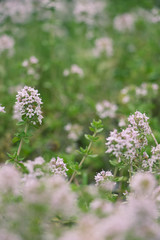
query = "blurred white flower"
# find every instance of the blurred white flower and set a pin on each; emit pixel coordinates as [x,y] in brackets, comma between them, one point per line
[74,131]
[2,109]
[124,22]
[106,109]
[143,183]
[103,45]
[74,69]
[6,44]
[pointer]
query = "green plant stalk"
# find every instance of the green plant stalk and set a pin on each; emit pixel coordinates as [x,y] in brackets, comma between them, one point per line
[83,159]
[20,144]
[155,140]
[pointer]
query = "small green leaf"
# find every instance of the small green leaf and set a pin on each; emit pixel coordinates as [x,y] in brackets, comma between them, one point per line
[15,139]
[20,123]
[100,130]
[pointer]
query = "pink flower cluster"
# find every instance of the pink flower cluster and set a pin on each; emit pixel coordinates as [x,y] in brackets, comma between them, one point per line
[58,167]
[125,145]
[28,105]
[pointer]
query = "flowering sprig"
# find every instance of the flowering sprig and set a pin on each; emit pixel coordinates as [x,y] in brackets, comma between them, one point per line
[129,146]
[28,110]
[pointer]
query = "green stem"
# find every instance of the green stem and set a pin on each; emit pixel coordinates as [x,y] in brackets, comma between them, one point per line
[115,172]
[155,140]
[20,144]
[83,159]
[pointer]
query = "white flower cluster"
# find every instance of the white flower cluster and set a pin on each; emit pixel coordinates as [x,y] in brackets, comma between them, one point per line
[74,131]
[49,197]
[104,180]
[6,44]
[124,145]
[154,157]
[152,16]
[102,176]
[39,168]
[30,66]
[58,167]
[2,109]
[124,22]
[74,69]
[106,109]
[144,90]
[28,105]
[9,179]
[43,198]
[103,45]
[143,183]
[139,213]
[18,11]
[86,10]
[139,122]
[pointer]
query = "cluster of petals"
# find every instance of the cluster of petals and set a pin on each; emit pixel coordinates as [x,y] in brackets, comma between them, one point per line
[6,44]
[74,69]
[103,45]
[125,143]
[106,109]
[39,168]
[124,22]
[2,109]
[28,105]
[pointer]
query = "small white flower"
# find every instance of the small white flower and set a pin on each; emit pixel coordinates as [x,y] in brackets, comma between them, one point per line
[2,109]
[143,183]
[103,45]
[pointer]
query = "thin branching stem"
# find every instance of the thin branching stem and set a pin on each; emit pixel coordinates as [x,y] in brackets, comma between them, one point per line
[83,159]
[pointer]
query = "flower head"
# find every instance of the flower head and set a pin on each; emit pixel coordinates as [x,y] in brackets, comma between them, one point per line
[28,105]
[143,183]
[58,167]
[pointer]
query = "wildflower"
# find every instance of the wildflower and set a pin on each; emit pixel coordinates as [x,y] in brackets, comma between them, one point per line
[125,99]
[30,66]
[28,105]
[103,45]
[2,109]
[139,122]
[74,69]
[74,131]
[106,109]
[143,183]
[122,122]
[142,90]
[125,144]
[154,157]
[61,199]
[102,206]
[155,86]
[103,179]
[124,22]
[6,44]
[9,179]
[86,10]
[58,167]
